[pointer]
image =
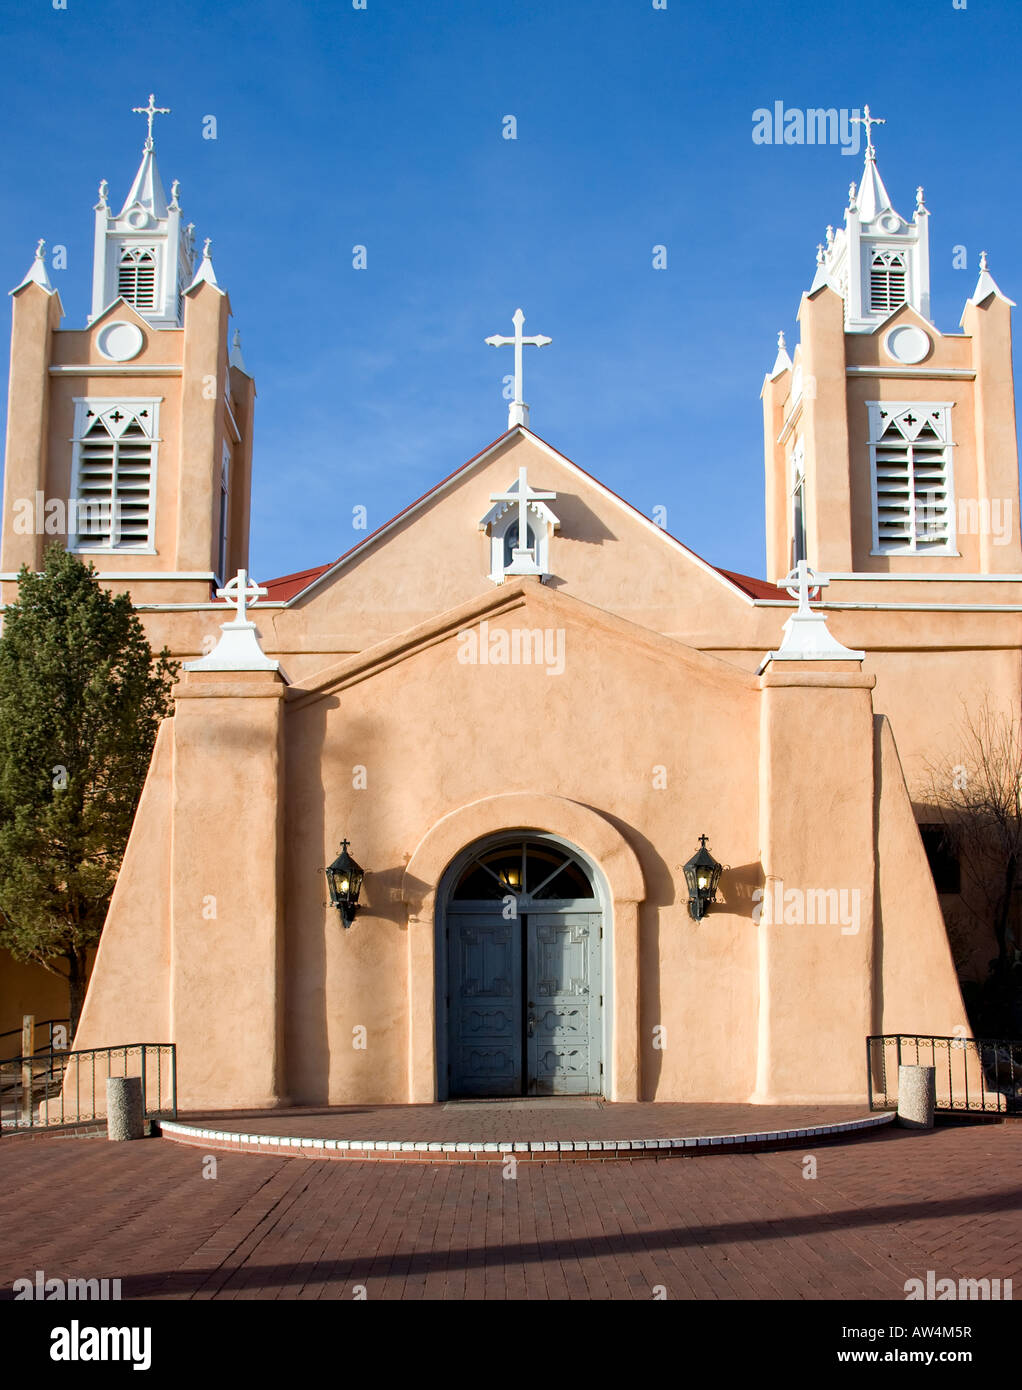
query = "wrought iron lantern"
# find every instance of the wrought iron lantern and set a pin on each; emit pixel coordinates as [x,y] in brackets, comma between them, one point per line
[702,874]
[344,879]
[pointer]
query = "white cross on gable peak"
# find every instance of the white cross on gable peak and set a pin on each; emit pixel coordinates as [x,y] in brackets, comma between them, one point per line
[518,411]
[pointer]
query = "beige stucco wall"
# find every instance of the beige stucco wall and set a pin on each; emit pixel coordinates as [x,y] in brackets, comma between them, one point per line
[265,1001]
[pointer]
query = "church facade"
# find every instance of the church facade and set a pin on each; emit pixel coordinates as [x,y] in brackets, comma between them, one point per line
[523,747]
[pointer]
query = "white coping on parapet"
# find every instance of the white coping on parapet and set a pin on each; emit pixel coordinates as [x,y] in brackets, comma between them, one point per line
[174,1128]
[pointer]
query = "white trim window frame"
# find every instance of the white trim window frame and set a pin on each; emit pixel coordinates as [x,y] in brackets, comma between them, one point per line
[911,459]
[114,462]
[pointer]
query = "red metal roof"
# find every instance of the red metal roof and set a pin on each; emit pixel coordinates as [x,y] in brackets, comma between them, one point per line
[755,588]
[279,590]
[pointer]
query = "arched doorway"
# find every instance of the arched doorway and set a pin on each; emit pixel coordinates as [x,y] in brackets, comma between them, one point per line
[520,968]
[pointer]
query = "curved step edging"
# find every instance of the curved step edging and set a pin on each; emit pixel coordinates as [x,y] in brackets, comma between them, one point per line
[462,1151]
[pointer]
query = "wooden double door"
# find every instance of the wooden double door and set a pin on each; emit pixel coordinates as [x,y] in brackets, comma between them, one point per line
[524,1001]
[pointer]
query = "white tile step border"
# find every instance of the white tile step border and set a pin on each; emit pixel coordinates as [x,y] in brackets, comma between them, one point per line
[390,1148]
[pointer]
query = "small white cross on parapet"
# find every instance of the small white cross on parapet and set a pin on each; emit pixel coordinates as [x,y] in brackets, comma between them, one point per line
[518,411]
[523,561]
[241,593]
[806,635]
[238,648]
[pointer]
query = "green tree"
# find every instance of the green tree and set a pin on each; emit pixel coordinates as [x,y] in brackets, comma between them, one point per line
[81,699]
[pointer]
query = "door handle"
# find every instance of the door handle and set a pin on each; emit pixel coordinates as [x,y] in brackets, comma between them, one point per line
[531,1023]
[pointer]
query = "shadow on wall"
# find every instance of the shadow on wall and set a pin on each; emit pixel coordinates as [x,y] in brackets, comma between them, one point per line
[741,888]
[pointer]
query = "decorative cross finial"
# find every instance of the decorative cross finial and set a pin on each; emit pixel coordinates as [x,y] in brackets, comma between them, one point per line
[800,581]
[522,497]
[982,259]
[781,346]
[852,197]
[518,411]
[819,253]
[869,122]
[104,188]
[919,198]
[205,247]
[806,636]
[42,243]
[175,189]
[151,110]
[241,594]
[238,648]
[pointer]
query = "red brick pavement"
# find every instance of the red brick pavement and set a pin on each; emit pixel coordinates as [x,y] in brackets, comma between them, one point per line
[881,1210]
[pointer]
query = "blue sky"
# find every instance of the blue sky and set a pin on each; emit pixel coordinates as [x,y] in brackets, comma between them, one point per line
[383,127]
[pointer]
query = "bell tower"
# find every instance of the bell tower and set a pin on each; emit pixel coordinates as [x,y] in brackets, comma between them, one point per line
[890,445]
[143,254]
[131,439]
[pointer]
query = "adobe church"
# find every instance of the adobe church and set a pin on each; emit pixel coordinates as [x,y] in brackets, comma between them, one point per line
[523,746]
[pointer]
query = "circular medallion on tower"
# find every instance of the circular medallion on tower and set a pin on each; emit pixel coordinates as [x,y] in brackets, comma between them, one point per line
[120,341]
[138,218]
[889,221]
[907,344]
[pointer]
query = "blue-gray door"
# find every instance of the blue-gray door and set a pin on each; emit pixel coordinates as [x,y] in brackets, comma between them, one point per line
[563,1004]
[486,1006]
[524,999]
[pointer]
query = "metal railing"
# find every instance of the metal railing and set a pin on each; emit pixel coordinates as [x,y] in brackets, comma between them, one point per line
[62,1088]
[979,1075]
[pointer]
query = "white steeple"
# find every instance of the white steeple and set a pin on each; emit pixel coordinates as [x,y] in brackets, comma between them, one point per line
[878,260]
[143,253]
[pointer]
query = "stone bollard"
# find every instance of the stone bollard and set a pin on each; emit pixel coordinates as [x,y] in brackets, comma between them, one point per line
[917,1096]
[125,1115]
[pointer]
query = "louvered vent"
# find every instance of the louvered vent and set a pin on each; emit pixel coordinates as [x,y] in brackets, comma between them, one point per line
[886,282]
[114,470]
[136,277]
[912,501]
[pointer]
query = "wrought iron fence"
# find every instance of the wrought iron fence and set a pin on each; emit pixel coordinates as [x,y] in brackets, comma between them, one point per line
[972,1074]
[61,1087]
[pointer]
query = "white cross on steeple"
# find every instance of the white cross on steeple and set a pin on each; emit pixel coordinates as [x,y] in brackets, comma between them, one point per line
[151,110]
[518,411]
[869,121]
[240,592]
[522,559]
